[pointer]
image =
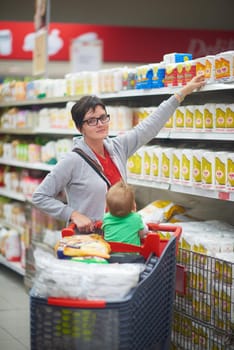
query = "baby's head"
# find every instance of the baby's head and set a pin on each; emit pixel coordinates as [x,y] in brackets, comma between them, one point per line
[120,199]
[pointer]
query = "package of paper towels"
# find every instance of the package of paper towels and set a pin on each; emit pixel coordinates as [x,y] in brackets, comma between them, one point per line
[69,279]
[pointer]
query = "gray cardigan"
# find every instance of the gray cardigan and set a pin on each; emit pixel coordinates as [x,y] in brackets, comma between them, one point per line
[84,189]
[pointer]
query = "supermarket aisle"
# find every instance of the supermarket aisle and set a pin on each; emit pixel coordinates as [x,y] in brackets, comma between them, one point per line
[14,311]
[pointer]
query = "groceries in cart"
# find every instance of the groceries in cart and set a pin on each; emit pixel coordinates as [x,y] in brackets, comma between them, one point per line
[90,247]
[110,281]
[72,304]
[116,252]
[66,278]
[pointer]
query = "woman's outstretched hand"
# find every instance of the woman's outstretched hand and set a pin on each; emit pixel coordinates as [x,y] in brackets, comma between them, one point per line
[195,83]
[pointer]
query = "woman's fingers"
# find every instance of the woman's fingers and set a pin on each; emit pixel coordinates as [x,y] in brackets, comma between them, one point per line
[83,222]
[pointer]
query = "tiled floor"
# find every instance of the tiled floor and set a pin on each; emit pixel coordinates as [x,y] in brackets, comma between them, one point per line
[14,311]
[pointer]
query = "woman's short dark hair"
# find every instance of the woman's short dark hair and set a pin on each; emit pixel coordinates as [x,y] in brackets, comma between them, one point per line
[81,107]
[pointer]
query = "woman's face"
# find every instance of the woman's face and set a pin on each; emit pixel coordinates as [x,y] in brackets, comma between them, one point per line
[92,131]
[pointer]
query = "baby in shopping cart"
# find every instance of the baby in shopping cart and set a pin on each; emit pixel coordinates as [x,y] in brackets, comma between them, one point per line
[121,223]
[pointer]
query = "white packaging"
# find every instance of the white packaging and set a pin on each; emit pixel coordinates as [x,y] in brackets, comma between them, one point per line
[176,165]
[210,69]
[156,163]
[220,169]
[12,246]
[187,166]
[198,117]
[124,118]
[209,116]
[208,170]
[147,160]
[220,116]
[229,125]
[230,171]
[179,118]
[197,167]
[189,117]
[166,164]
[224,66]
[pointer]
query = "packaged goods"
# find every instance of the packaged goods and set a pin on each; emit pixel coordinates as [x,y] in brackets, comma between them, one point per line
[69,279]
[176,57]
[160,211]
[82,245]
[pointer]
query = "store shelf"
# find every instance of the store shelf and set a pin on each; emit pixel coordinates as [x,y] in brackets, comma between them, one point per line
[191,190]
[211,93]
[203,192]
[116,95]
[12,194]
[36,166]
[148,183]
[36,131]
[10,225]
[15,266]
[203,135]
[36,101]
[165,134]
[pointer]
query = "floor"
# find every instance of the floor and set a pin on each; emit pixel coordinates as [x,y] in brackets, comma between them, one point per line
[14,311]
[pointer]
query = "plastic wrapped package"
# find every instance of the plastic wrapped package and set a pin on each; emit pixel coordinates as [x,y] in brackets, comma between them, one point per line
[160,211]
[70,279]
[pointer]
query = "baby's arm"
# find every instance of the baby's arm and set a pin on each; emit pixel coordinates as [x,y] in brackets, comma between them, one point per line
[143,233]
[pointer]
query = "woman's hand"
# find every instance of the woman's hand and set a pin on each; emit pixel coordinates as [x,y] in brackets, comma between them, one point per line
[82,222]
[195,83]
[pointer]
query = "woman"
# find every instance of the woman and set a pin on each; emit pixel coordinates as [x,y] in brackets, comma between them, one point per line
[84,188]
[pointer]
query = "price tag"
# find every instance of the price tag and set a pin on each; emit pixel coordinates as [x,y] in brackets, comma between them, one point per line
[224,196]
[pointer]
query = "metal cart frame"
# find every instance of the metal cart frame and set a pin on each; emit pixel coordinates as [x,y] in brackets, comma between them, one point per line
[143,320]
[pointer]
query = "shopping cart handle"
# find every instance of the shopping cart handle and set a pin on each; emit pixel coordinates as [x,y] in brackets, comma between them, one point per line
[177,231]
[70,229]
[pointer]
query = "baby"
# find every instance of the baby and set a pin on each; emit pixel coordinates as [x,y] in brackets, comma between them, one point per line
[122,223]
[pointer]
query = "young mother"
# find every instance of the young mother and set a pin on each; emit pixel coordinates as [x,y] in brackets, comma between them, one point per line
[84,188]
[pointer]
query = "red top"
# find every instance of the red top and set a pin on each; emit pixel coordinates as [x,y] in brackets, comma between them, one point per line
[109,168]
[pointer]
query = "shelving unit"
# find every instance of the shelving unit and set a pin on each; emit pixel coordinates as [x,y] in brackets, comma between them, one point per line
[15,266]
[133,98]
[209,203]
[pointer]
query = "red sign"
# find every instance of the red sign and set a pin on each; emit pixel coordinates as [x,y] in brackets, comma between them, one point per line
[224,195]
[120,44]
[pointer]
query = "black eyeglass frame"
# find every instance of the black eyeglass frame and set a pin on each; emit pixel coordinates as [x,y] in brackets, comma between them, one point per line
[105,121]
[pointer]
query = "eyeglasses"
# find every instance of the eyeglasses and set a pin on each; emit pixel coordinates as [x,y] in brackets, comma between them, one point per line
[104,119]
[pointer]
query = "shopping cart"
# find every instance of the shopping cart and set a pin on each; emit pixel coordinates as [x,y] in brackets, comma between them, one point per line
[142,320]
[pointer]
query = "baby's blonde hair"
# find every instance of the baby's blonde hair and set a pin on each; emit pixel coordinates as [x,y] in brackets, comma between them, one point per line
[120,199]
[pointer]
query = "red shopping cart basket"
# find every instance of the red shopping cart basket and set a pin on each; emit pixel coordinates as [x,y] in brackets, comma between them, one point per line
[150,244]
[142,320]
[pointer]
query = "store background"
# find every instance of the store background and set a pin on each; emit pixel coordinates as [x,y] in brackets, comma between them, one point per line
[163,15]
[199,15]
